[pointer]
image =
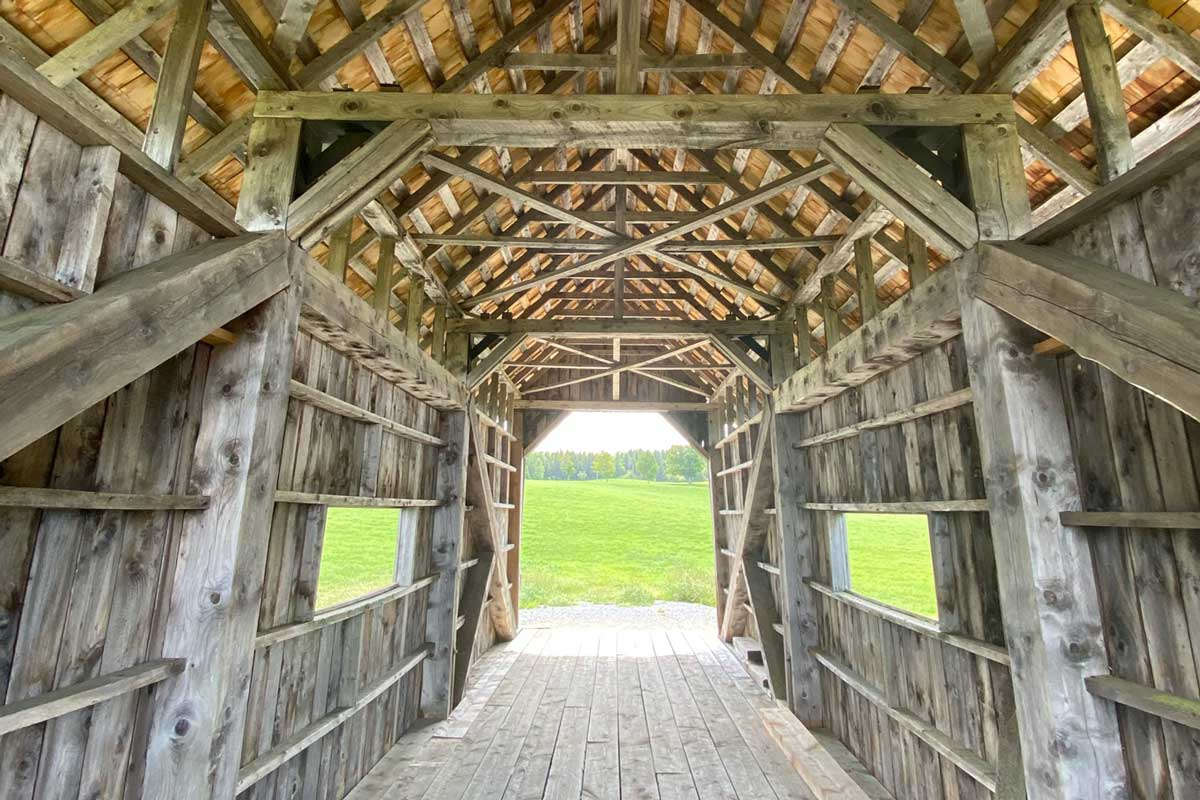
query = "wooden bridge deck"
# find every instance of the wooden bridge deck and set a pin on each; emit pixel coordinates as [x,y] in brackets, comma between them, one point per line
[596,714]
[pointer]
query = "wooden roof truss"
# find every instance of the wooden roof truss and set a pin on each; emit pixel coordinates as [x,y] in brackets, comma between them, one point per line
[591,166]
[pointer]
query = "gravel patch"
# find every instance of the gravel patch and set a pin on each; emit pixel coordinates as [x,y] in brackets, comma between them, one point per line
[656,617]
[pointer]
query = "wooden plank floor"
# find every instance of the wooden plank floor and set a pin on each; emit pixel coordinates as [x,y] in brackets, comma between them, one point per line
[600,714]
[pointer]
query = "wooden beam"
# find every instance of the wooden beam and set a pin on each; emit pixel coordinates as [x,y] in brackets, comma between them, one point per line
[335,315]
[235,35]
[1144,334]
[447,525]
[481,178]
[756,371]
[1025,449]
[659,406]
[752,526]
[747,42]
[1105,102]
[619,368]
[624,328]
[360,38]
[902,187]
[1176,708]
[924,317]
[176,80]
[865,225]
[1154,29]
[101,41]
[68,699]
[483,528]
[698,220]
[604,62]
[214,587]
[909,44]
[628,46]
[996,176]
[356,180]
[1037,41]
[977,27]
[494,358]
[798,537]
[622,177]
[61,359]
[270,175]
[777,121]
[88,121]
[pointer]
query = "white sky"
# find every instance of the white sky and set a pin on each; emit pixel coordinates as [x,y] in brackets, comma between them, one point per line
[612,432]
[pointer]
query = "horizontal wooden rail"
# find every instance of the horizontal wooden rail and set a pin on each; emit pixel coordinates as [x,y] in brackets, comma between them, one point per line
[492,423]
[470,562]
[741,428]
[962,757]
[770,569]
[353,500]
[735,468]
[35,710]
[1177,708]
[21,497]
[498,504]
[335,405]
[912,507]
[340,613]
[300,741]
[1132,519]
[726,512]
[499,462]
[944,403]
[912,622]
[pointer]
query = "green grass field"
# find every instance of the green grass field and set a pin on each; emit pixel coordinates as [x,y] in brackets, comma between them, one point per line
[890,560]
[359,554]
[627,542]
[615,541]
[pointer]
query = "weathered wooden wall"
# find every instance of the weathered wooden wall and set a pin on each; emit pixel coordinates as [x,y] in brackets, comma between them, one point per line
[960,693]
[83,593]
[88,593]
[354,646]
[1134,452]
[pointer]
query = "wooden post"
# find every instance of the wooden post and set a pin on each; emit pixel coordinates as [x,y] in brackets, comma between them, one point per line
[412,312]
[195,740]
[833,322]
[916,256]
[996,175]
[458,348]
[1102,90]
[382,299]
[446,537]
[783,349]
[337,261]
[864,270]
[173,91]
[516,496]
[270,174]
[1052,619]
[1070,743]
[797,543]
[437,347]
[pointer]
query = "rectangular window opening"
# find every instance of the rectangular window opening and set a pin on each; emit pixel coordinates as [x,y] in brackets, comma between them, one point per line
[358,555]
[891,562]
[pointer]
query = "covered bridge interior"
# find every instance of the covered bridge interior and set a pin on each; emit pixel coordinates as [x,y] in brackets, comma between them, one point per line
[260,258]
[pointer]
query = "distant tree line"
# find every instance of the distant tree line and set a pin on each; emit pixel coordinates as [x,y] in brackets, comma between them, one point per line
[676,464]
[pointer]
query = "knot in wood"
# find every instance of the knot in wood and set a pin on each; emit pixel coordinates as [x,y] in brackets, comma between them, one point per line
[351,105]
